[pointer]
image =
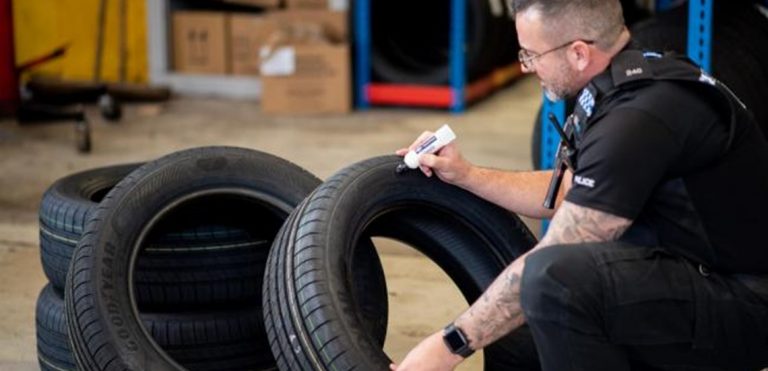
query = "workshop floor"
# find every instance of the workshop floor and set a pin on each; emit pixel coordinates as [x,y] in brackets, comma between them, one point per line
[494,133]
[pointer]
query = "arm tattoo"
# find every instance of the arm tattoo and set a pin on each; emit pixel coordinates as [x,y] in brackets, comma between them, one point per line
[498,310]
[496,313]
[573,224]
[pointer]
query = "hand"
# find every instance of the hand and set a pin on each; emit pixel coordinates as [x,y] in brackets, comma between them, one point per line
[430,355]
[448,163]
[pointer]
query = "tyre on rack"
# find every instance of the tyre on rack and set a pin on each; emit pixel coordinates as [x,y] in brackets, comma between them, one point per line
[508,47]
[224,340]
[739,51]
[105,331]
[404,50]
[309,295]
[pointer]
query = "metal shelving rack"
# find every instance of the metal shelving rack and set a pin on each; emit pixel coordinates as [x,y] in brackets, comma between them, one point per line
[699,49]
[454,96]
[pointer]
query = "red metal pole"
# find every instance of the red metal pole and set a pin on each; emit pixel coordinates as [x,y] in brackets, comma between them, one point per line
[9,83]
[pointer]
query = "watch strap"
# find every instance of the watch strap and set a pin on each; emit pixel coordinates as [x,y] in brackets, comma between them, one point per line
[456,341]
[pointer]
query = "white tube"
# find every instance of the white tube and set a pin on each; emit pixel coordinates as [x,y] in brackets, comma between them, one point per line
[438,140]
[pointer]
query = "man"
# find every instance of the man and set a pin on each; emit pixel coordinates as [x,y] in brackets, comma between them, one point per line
[656,256]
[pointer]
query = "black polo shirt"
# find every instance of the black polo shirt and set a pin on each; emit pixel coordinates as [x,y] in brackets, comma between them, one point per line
[660,155]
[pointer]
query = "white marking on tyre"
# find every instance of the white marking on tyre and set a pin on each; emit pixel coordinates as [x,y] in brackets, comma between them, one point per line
[295,343]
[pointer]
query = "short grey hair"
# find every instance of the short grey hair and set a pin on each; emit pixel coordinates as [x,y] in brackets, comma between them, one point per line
[598,20]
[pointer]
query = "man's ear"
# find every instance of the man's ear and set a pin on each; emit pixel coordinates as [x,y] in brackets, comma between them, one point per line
[579,54]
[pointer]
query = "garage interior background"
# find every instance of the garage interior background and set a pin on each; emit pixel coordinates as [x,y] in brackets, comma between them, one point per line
[43,25]
[222,109]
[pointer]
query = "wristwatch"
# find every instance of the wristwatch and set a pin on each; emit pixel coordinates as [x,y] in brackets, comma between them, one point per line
[456,341]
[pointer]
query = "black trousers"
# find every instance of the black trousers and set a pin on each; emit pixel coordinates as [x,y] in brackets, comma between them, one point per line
[614,306]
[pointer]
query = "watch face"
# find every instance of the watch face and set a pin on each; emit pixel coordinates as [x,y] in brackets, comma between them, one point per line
[455,340]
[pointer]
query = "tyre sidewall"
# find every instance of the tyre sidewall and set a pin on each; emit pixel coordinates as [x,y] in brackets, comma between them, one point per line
[104,258]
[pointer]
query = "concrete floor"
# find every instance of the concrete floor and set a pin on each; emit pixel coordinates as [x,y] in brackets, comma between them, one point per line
[493,133]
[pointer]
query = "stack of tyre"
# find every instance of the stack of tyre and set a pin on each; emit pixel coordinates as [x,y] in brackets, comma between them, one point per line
[224,258]
[169,255]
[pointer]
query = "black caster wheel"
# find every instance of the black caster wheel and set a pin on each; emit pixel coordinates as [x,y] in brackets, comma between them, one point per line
[110,108]
[83,136]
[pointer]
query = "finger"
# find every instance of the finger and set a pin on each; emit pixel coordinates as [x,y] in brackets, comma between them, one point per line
[429,160]
[427,163]
[392,366]
[401,151]
[427,171]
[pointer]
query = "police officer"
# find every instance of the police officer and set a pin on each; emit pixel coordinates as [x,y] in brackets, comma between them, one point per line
[656,256]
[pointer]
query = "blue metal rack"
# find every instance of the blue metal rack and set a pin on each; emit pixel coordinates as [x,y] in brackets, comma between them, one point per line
[458,80]
[458,59]
[699,50]
[700,33]
[362,25]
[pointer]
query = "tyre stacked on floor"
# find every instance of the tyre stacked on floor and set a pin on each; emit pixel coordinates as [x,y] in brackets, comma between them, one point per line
[171,262]
[168,268]
[224,340]
[63,211]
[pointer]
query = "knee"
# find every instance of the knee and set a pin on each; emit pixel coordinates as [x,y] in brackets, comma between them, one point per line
[557,277]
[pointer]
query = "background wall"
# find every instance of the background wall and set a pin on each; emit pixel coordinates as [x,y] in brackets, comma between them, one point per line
[43,25]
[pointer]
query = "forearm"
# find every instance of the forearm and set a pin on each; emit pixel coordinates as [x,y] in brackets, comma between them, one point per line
[498,311]
[521,192]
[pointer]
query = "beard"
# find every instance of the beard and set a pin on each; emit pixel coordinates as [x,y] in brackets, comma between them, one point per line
[553,95]
[558,88]
[556,92]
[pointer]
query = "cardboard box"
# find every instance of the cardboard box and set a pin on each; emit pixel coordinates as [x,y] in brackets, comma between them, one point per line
[248,34]
[332,5]
[320,82]
[200,42]
[335,25]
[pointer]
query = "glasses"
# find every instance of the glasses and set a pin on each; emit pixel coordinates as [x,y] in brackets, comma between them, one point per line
[527,57]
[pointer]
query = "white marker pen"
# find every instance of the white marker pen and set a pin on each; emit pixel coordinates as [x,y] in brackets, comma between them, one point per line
[432,144]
